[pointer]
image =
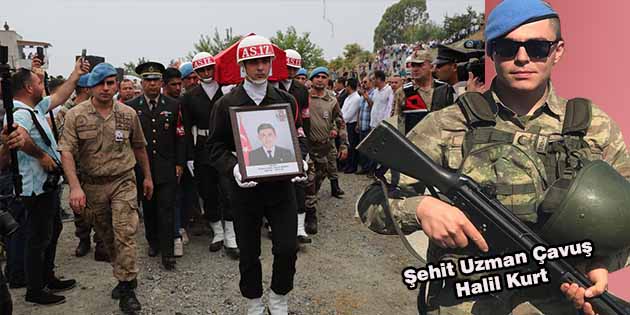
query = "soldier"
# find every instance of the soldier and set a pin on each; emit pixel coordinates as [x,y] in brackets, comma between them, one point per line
[214,189]
[525,42]
[162,125]
[300,93]
[106,139]
[301,76]
[326,125]
[190,79]
[274,200]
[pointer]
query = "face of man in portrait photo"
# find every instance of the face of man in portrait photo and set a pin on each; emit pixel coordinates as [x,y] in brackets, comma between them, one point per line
[267,136]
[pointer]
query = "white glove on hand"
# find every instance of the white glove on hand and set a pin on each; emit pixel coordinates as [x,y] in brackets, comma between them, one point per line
[239,178]
[191,167]
[300,179]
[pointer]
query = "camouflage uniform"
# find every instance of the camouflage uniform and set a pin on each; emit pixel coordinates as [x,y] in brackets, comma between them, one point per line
[325,116]
[107,177]
[440,135]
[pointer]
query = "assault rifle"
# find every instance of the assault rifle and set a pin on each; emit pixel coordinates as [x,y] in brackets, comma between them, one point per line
[392,149]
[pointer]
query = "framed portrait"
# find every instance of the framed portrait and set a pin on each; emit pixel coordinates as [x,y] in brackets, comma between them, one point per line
[266,142]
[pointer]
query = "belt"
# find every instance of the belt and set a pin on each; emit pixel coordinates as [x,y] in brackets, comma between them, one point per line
[100,180]
[203,132]
[408,111]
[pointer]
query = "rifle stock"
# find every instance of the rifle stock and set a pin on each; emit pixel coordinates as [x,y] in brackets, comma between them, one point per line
[7,99]
[386,145]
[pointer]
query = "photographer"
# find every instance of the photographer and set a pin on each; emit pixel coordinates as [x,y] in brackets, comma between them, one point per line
[40,169]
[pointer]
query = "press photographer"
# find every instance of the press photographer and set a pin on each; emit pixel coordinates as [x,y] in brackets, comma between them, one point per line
[41,172]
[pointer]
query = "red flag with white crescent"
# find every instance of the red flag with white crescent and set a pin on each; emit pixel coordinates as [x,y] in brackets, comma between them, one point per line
[247,147]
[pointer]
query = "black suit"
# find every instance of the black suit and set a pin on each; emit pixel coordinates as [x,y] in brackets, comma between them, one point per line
[280,155]
[166,148]
[274,200]
[215,195]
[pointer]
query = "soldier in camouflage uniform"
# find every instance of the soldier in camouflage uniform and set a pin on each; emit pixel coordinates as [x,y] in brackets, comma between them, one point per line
[526,101]
[106,138]
[326,125]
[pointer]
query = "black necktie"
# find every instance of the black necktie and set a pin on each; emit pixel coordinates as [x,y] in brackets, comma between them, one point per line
[269,154]
[152,105]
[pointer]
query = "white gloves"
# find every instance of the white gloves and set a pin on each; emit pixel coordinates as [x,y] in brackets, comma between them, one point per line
[239,178]
[299,179]
[191,167]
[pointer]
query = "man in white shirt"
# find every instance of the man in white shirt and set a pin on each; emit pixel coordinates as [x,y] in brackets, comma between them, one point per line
[383,99]
[350,113]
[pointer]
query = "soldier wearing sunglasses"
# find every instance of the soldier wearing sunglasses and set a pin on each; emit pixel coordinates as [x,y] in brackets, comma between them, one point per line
[524,40]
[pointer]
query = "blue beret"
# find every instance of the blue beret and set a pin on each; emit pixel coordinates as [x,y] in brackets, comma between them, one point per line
[317,71]
[302,71]
[186,69]
[83,81]
[510,14]
[100,72]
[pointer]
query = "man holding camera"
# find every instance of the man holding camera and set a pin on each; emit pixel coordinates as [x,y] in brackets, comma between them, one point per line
[41,172]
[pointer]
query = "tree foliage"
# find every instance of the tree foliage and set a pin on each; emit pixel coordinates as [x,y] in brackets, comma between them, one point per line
[214,44]
[458,22]
[397,19]
[312,54]
[353,55]
[130,67]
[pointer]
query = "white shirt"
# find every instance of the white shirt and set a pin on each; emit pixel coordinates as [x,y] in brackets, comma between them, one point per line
[210,88]
[382,105]
[256,92]
[351,106]
[268,153]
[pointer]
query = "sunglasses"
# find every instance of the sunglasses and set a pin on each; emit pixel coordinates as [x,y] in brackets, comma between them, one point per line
[536,49]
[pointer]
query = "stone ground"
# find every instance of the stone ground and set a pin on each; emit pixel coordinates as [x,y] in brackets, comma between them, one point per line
[346,270]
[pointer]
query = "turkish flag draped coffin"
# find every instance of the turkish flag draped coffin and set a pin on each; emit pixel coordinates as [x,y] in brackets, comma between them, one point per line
[228,71]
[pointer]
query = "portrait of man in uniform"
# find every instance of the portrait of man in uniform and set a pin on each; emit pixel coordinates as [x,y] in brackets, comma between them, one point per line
[266,139]
[269,152]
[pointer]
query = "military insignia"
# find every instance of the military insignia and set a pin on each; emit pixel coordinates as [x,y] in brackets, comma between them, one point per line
[326,114]
[166,126]
[281,115]
[81,121]
[118,134]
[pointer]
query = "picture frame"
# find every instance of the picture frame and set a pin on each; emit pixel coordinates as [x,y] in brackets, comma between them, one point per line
[266,142]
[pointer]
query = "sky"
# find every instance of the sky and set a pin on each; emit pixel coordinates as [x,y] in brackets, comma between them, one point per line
[161,30]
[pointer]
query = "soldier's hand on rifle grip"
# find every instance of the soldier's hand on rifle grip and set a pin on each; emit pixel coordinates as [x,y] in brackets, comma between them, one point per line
[446,225]
[147,188]
[577,295]
[77,200]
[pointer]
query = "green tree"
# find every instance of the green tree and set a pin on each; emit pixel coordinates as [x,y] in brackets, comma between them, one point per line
[312,54]
[424,32]
[130,67]
[353,55]
[214,44]
[458,22]
[397,19]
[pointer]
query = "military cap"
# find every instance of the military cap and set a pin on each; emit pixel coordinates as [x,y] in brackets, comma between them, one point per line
[318,70]
[83,81]
[100,72]
[510,14]
[420,56]
[302,71]
[150,70]
[447,54]
[186,69]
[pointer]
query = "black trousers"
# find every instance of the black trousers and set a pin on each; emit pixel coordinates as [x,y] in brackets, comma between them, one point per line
[43,227]
[215,192]
[6,304]
[276,202]
[159,217]
[353,139]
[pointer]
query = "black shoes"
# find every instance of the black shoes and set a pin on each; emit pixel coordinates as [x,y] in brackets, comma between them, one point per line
[128,303]
[58,285]
[304,239]
[100,254]
[233,253]
[116,292]
[153,251]
[83,248]
[335,191]
[168,262]
[44,298]
[310,222]
[216,246]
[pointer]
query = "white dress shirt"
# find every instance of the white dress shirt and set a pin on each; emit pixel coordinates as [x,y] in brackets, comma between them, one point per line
[382,105]
[351,106]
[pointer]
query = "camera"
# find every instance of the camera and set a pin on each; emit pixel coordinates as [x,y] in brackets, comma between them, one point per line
[52,180]
[475,55]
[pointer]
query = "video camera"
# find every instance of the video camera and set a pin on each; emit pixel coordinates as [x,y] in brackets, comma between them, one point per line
[475,55]
[10,184]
